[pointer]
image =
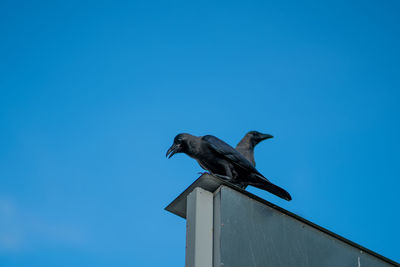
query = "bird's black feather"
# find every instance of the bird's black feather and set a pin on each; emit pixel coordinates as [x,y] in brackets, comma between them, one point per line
[230,153]
[221,159]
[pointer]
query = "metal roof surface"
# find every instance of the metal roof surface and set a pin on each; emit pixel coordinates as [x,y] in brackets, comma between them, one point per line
[212,184]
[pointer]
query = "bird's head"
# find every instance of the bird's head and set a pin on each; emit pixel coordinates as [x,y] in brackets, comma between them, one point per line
[257,137]
[180,145]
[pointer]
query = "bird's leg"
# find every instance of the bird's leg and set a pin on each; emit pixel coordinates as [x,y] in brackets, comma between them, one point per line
[242,185]
[223,177]
[228,173]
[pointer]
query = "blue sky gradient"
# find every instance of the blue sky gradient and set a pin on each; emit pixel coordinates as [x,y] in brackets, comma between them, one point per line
[93,92]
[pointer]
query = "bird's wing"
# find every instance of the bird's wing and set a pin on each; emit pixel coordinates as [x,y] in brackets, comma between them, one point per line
[247,153]
[230,153]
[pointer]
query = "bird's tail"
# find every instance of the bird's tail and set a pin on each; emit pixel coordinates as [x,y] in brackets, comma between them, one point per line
[274,189]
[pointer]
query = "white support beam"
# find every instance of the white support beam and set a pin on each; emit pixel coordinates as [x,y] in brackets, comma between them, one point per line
[199,228]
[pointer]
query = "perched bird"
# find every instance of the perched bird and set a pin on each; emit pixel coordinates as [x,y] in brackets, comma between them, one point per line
[220,159]
[248,142]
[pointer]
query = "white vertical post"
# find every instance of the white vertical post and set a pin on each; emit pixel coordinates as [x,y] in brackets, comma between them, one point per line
[199,228]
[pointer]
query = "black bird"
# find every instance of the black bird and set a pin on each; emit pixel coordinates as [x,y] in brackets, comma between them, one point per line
[248,142]
[220,159]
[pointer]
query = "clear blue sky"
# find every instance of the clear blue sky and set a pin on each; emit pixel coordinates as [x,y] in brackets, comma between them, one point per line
[93,92]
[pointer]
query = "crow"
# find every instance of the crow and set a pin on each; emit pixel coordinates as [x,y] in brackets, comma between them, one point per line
[222,160]
[248,142]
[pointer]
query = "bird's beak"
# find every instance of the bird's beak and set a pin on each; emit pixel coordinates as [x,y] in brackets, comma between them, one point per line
[266,136]
[172,150]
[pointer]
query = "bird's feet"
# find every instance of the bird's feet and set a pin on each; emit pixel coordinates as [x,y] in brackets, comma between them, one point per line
[223,177]
[242,185]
